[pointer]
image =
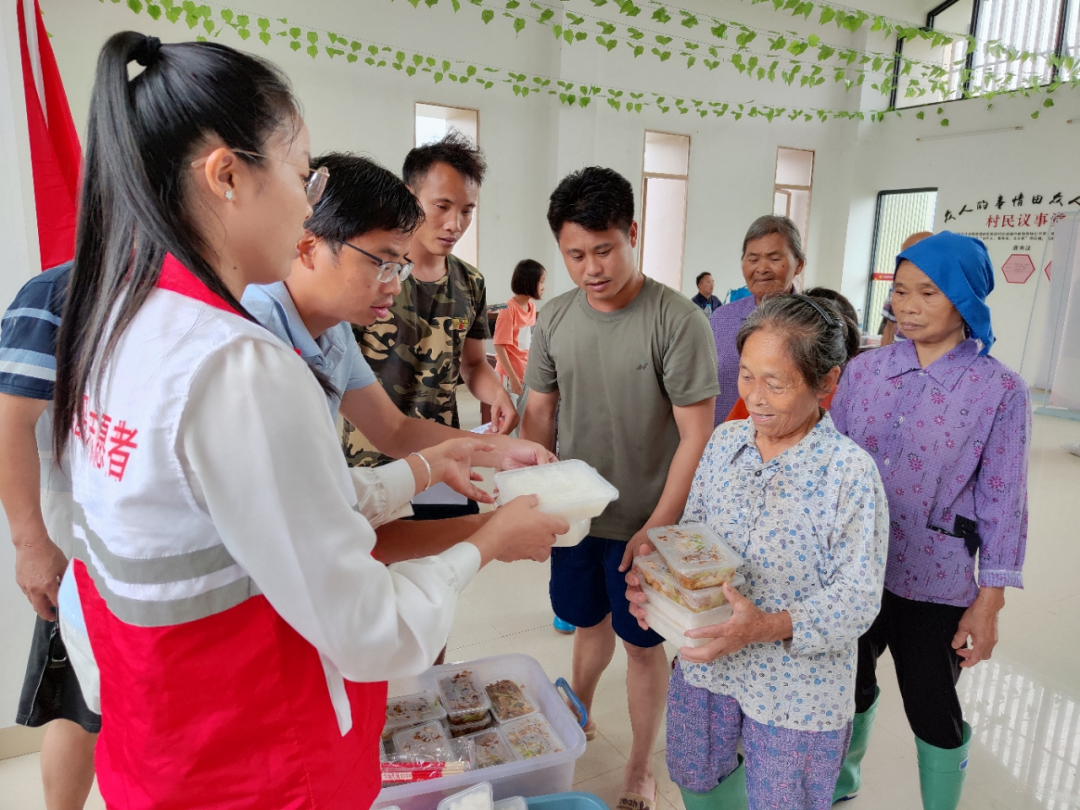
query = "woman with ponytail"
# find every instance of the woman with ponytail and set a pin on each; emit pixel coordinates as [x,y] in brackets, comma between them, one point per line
[222,577]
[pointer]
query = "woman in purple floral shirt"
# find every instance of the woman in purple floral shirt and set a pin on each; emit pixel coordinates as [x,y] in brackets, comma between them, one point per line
[949,428]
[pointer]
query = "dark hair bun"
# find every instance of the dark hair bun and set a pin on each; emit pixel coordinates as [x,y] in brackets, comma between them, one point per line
[147,52]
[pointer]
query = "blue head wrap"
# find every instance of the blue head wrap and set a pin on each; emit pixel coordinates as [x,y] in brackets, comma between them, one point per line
[961,269]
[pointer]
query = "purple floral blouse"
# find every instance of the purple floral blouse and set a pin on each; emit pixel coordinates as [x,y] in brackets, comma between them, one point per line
[951,442]
[726,323]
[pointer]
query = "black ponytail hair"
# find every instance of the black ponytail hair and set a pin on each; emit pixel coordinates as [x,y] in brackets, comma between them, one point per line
[142,135]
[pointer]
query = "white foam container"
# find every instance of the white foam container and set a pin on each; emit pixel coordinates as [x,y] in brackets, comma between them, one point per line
[551,773]
[575,509]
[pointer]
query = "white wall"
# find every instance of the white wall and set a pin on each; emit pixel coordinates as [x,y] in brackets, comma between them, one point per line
[531,143]
[1040,158]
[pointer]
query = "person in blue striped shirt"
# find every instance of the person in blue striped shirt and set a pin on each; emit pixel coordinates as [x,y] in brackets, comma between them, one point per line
[36,495]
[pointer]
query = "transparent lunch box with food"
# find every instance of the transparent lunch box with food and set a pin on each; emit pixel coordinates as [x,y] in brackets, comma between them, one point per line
[463,697]
[654,572]
[697,556]
[672,620]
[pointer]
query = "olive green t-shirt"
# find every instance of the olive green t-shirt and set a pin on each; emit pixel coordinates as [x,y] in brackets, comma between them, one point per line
[618,375]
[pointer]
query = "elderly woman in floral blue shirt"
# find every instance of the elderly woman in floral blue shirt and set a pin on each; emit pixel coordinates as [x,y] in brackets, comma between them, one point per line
[805,507]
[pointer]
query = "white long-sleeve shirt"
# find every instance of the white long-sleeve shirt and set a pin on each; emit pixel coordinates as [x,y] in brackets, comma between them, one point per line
[262,458]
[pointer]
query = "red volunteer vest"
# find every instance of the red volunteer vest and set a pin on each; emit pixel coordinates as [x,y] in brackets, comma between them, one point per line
[230,711]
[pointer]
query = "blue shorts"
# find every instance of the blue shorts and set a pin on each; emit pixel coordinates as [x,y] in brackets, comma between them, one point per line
[586,585]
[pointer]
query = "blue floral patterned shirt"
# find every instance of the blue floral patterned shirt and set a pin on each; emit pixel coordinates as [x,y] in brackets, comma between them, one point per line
[812,525]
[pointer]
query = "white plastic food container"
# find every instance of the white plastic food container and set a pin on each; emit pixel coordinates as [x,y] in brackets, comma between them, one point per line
[411,710]
[510,700]
[550,773]
[491,748]
[654,572]
[696,555]
[417,739]
[464,698]
[672,620]
[477,797]
[531,737]
[570,489]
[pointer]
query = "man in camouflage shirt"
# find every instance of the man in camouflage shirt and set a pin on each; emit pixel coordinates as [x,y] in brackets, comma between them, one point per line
[433,337]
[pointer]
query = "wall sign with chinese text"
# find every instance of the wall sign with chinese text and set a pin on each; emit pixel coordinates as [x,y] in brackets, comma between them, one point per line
[1013,226]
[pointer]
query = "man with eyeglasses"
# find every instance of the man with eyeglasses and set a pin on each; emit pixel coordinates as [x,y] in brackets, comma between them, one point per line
[349,267]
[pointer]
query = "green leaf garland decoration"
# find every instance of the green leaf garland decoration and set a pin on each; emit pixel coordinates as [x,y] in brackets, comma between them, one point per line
[211,20]
[932,79]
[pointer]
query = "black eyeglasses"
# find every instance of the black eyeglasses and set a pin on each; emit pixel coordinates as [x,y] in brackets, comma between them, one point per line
[387,270]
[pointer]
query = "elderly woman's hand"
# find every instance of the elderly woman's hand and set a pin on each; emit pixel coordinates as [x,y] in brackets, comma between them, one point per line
[747,625]
[980,624]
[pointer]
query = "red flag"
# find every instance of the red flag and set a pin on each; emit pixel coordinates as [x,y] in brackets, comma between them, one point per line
[54,144]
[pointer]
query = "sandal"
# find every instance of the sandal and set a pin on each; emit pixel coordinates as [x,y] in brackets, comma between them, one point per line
[634,801]
[589,728]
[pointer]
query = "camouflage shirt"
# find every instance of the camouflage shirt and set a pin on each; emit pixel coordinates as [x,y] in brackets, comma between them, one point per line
[416,350]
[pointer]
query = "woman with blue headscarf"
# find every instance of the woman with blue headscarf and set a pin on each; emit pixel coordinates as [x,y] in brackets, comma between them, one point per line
[949,428]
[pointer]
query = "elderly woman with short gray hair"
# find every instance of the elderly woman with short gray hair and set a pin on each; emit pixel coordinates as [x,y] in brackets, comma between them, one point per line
[805,507]
[772,256]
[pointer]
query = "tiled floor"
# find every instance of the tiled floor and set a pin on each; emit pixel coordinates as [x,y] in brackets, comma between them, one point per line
[1024,704]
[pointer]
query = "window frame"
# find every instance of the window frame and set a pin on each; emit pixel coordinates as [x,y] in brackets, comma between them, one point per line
[645,177]
[969,60]
[787,188]
[874,243]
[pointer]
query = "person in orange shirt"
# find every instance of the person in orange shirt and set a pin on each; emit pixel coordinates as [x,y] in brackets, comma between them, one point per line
[739,411]
[513,328]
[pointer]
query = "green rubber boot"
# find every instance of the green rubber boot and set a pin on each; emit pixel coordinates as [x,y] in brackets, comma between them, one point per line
[728,795]
[850,779]
[942,772]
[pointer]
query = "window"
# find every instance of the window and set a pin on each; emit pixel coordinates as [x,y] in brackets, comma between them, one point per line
[952,17]
[663,208]
[433,121]
[1040,27]
[899,215]
[791,191]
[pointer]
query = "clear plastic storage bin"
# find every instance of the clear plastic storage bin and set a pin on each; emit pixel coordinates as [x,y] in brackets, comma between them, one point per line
[550,773]
[570,489]
[696,555]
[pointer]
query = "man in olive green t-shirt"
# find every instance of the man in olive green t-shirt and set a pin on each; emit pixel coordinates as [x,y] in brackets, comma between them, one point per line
[630,366]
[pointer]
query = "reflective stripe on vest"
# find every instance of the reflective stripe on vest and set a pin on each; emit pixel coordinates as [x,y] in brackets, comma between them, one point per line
[162,591]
